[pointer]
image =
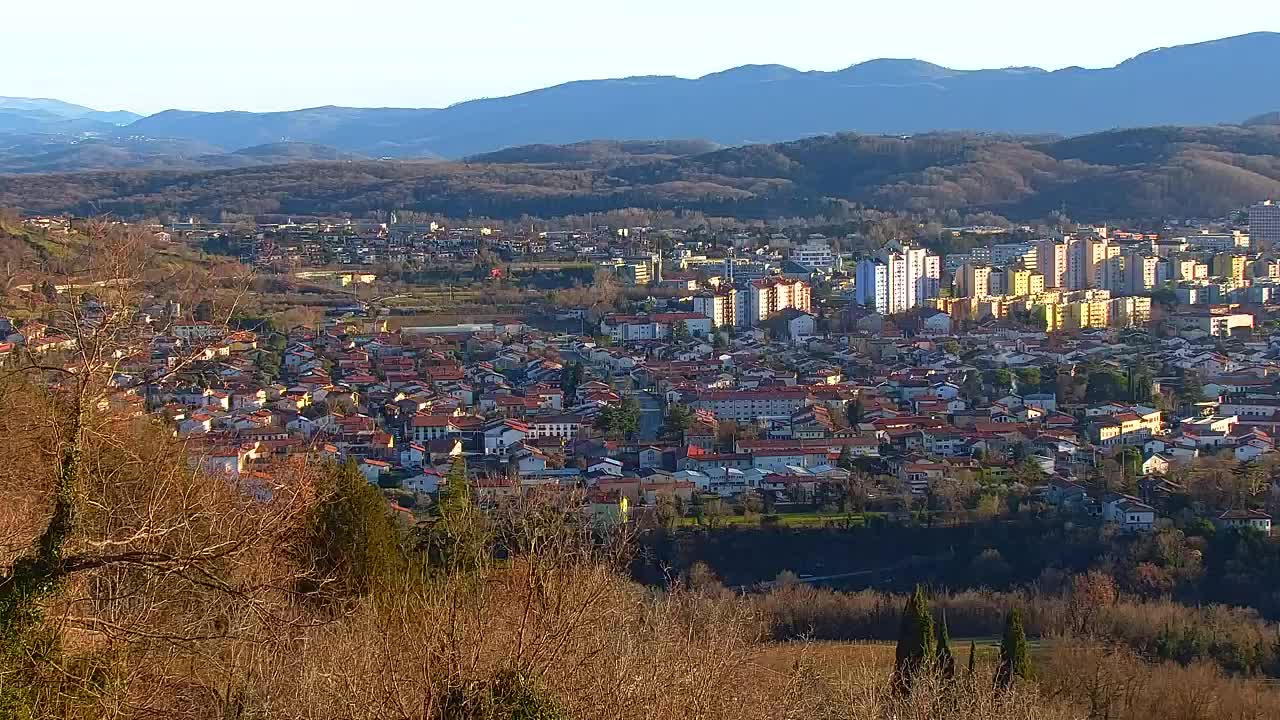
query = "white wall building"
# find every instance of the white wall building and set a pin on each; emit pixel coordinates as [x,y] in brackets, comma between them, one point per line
[814,256]
[899,279]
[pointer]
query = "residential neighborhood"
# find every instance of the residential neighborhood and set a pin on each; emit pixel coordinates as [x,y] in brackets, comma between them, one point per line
[759,381]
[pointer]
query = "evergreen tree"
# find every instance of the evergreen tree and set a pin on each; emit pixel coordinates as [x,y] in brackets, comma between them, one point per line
[459,539]
[915,642]
[946,662]
[571,376]
[854,412]
[973,658]
[354,542]
[678,419]
[1014,660]
[846,458]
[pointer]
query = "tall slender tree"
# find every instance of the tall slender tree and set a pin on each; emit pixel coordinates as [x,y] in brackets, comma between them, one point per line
[973,658]
[915,642]
[1014,660]
[943,659]
[459,539]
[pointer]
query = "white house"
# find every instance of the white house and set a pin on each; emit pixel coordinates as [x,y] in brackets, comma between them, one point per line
[1155,465]
[1253,519]
[373,470]
[608,466]
[428,481]
[935,323]
[501,435]
[1130,513]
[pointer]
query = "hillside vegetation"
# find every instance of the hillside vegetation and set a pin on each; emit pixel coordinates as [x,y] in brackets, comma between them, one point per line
[1164,171]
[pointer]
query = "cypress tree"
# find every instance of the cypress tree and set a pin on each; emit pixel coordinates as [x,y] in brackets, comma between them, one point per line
[973,654]
[946,662]
[353,541]
[915,642]
[1014,660]
[459,540]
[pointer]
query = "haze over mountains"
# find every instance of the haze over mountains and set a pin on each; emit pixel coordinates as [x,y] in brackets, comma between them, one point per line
[1222,81]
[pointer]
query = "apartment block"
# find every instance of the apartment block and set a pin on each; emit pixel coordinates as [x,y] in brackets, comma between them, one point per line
[721,307]
[1051,261]
[773,295]
[1264,225]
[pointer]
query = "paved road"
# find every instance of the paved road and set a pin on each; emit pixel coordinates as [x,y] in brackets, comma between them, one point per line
[651,410]
[650,416]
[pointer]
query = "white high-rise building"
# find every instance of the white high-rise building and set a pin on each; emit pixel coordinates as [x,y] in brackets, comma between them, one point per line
[871,284]
[1087,262]
[1051,261]
[1264,225]
[900,278]
[898,283]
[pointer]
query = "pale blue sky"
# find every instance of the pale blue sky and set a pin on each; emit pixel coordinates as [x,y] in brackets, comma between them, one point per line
[148,55]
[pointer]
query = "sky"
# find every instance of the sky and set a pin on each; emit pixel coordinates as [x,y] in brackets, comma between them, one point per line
[260,55]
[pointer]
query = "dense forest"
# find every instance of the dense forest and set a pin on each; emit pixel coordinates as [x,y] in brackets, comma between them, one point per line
[1151,172]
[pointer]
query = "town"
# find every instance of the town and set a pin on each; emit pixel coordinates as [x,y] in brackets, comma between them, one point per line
[668,377]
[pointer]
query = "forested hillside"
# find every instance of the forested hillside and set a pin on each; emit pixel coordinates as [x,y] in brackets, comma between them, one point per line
[1164,171]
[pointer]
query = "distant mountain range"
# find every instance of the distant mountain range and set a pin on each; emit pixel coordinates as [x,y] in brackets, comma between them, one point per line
[1137,173]
[21,154]
[42,115]
[1222,81]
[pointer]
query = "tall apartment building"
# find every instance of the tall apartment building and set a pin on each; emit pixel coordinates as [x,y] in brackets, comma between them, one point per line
[1108,268]
[1230,267]
[998,282]
[1078,258]
[871,284]
[930,283]
[1264,225]
[1182,267]
[1020,283]
[1051,261]
[1086,262]
[1131,311]
[1140,273]
[974,281]
[900,278]
[720,306]
[772,295]
[1111,276]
